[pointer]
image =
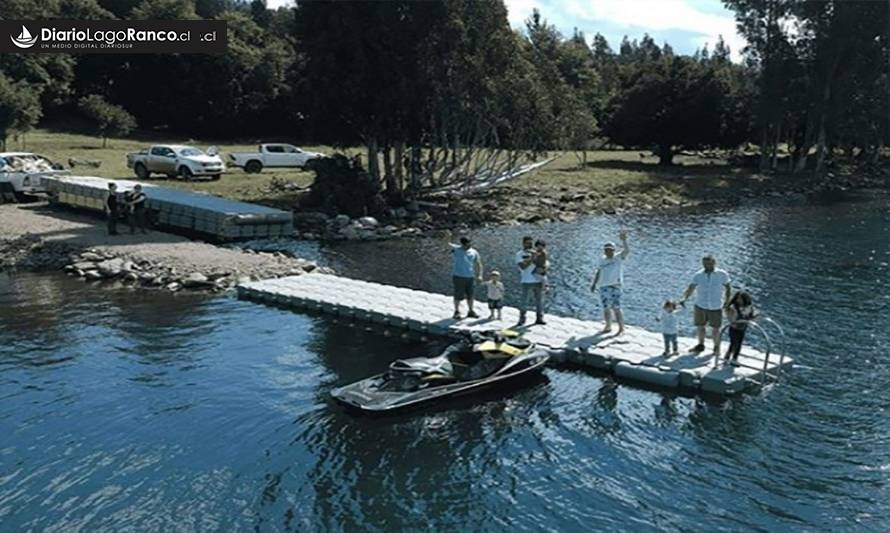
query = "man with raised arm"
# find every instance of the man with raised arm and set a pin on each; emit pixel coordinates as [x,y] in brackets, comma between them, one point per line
[466,270]
[609,277]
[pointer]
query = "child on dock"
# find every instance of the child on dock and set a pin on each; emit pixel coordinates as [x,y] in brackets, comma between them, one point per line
[669,320]
[495,291]
[739,310]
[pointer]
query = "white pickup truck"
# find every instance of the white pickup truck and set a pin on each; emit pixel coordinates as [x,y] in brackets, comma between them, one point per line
[176,160]
[20,173]
[273,155]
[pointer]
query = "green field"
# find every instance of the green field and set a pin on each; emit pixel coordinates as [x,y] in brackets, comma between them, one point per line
[606,172]
[235,183]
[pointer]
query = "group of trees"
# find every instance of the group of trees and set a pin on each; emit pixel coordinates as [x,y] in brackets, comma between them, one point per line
[443,91]
[823,76]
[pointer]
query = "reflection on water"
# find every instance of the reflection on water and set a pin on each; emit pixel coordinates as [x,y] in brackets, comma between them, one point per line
[154,411]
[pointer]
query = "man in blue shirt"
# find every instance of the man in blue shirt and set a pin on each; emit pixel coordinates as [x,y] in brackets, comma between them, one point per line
[467,268]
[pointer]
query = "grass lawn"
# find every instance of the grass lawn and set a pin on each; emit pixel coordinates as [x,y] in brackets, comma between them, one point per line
[606,172]
[633,171]
[235,183]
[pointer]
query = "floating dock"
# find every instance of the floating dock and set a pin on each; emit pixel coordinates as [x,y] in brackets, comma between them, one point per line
[178,210]
[635,355]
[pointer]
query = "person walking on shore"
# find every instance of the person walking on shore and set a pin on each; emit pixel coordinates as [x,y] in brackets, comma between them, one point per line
[609,276]
[466,269]
[136,205]
[531,283]
[711,288]
[112,209]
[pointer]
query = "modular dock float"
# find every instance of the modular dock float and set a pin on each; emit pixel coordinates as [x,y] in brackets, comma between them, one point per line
[635,355]
[178,210]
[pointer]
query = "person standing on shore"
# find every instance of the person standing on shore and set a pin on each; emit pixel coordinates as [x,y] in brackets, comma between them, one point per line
[609,276]
[466,269]
[112,209]
[711,288]
[531,283]
[136,206]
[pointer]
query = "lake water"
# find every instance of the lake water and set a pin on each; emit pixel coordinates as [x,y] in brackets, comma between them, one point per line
[152,411]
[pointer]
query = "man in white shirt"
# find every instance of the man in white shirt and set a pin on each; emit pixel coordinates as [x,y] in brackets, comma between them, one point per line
[531,283]
[610,278]
[712,288]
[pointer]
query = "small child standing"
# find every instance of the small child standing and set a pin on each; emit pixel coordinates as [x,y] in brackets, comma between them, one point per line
[495,290]
[669,327]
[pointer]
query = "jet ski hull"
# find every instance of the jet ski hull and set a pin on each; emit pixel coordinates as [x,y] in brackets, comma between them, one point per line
[367,396]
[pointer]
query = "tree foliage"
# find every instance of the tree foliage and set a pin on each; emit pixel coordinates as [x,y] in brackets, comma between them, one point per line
[19,107]
[107,119]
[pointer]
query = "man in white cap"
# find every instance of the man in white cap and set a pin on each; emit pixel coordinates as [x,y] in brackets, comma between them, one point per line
[711,287]
[609,277]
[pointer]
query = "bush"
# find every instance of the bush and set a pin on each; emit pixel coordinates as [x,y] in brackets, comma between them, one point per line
[342,187]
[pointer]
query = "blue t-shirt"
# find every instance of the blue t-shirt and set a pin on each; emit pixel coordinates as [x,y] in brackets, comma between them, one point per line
[464,261]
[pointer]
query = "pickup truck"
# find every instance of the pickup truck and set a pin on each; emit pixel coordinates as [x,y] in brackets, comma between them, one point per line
[20,173]
[176,160]
[273,155]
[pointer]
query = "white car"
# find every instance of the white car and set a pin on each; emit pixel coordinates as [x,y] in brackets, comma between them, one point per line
[273,155]
[176,160]
[20,173]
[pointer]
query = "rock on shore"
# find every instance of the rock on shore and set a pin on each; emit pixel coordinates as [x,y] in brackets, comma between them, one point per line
[36,238]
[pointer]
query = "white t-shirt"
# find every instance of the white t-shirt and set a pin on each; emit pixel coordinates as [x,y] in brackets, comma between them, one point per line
[669,322]
[709,288]
[527,274]
[611,271]
[495,290]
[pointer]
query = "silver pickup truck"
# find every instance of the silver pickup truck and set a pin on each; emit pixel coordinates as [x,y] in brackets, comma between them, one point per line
[176,160]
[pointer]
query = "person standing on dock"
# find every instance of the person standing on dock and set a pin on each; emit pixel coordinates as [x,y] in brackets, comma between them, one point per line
[531,283]
[112,209]
[136,206]
[711,287]
[609,277]
[466,270]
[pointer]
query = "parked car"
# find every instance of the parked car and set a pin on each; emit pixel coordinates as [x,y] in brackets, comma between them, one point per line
[20,173]
[273,155]
[176,160]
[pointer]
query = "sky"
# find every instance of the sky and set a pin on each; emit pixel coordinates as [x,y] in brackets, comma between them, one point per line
[685,24]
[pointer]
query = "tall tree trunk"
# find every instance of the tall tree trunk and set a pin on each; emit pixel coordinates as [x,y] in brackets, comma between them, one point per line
[392,189]
[820,147]
[764,148]
[104,142]
[803,151]
[373,162]
[400,165]
[665,155]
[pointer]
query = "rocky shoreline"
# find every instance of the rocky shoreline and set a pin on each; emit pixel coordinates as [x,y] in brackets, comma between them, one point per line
[40,240]
[511,204]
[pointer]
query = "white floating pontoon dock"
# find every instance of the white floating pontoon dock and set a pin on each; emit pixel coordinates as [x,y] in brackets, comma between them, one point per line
[635,356]
[178,210]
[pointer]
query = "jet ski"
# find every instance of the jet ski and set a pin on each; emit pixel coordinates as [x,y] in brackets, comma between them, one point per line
[478,360]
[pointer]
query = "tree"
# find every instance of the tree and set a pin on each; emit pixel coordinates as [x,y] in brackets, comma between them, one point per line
[19,107]
[107,118]
[670,103]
